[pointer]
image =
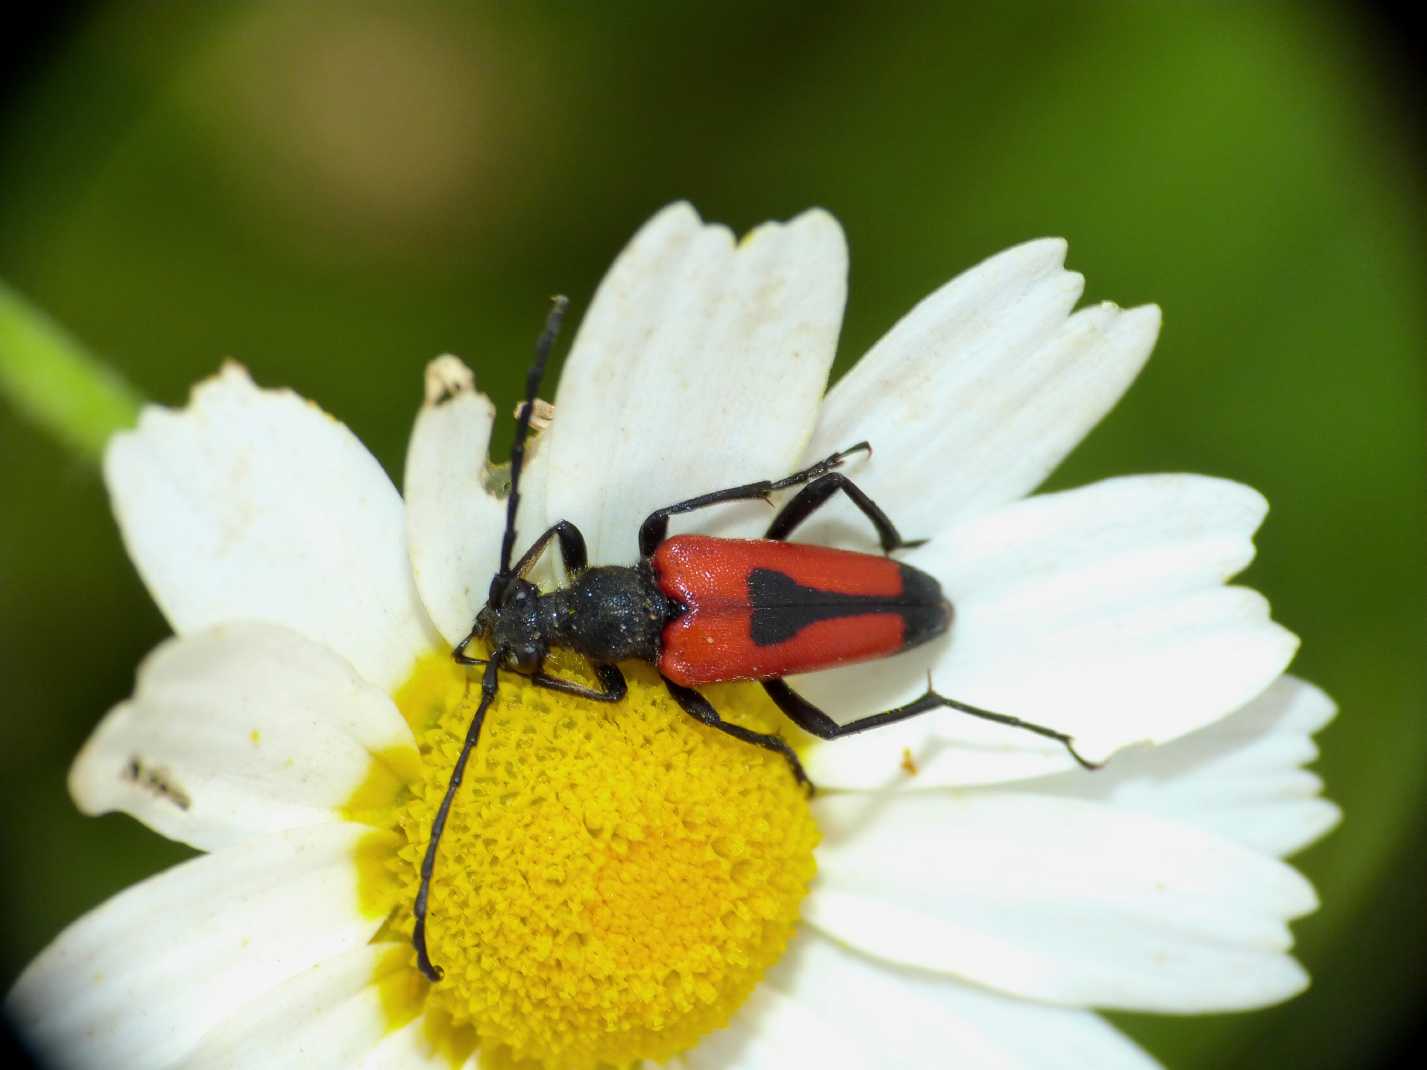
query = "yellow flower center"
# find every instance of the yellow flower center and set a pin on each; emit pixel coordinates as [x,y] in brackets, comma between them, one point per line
[614,879]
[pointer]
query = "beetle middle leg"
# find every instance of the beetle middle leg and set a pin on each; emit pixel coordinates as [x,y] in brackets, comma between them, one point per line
[811,719]
[701,710]
[612,685]
[812,497]
[656,525]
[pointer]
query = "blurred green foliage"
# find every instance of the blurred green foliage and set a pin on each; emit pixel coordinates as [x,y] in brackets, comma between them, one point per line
[336,194]
[48,376]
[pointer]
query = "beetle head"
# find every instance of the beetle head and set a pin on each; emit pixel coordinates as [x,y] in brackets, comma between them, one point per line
[510,620]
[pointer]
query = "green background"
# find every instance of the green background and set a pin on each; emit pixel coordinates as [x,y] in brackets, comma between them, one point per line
[334,194]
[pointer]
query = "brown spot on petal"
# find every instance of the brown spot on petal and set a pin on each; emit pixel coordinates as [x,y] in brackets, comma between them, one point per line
[156,779]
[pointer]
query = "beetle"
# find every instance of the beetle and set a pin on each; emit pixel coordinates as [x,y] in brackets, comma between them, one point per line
[705,610]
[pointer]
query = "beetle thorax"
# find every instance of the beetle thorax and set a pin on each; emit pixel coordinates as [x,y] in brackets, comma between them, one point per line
[609,614]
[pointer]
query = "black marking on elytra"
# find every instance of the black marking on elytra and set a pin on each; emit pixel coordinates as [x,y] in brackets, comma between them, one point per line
[782,607]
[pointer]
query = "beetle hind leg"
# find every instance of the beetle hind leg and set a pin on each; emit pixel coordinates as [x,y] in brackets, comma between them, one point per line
[811,719]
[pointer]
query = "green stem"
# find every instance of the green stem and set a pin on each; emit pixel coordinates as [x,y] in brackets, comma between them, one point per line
[53,379]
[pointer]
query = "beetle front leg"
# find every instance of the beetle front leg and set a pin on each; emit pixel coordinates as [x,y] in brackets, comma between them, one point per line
[572,553]
[572,549]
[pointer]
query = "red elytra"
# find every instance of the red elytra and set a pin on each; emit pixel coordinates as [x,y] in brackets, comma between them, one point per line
[756,609]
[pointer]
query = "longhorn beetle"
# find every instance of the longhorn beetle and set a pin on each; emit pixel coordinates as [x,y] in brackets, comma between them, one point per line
[703,610]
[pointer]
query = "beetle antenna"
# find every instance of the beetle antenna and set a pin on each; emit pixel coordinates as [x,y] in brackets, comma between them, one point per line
[543,345]
[489,681]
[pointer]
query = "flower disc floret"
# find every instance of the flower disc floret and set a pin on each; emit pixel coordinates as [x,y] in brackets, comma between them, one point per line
[614,879]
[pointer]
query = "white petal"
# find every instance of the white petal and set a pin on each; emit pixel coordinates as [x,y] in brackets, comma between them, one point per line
[241,729]
[1241,778]
[979,392]
[772,1031]
[141,979]
[454,522]
[1059,900]
[913,1018]
[408,1047]
[1099,612]
[699,366]
[254,504]
[331,1015]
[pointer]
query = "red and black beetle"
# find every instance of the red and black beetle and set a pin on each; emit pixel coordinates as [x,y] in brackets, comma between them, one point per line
[704,610]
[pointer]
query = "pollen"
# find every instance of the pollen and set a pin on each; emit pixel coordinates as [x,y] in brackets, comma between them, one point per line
[614,878]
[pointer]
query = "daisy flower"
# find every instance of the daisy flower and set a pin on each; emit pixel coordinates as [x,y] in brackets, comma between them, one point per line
[619,885]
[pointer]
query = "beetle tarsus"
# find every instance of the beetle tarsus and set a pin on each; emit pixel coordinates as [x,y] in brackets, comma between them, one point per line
[1085,763]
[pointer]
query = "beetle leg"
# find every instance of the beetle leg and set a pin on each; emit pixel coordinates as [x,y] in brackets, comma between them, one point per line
[656,526]
[811,719]
[701,710]
[815,495]
[612,684]
[572,549]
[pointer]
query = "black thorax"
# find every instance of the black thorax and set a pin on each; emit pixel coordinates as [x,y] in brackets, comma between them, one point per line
[609,613]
